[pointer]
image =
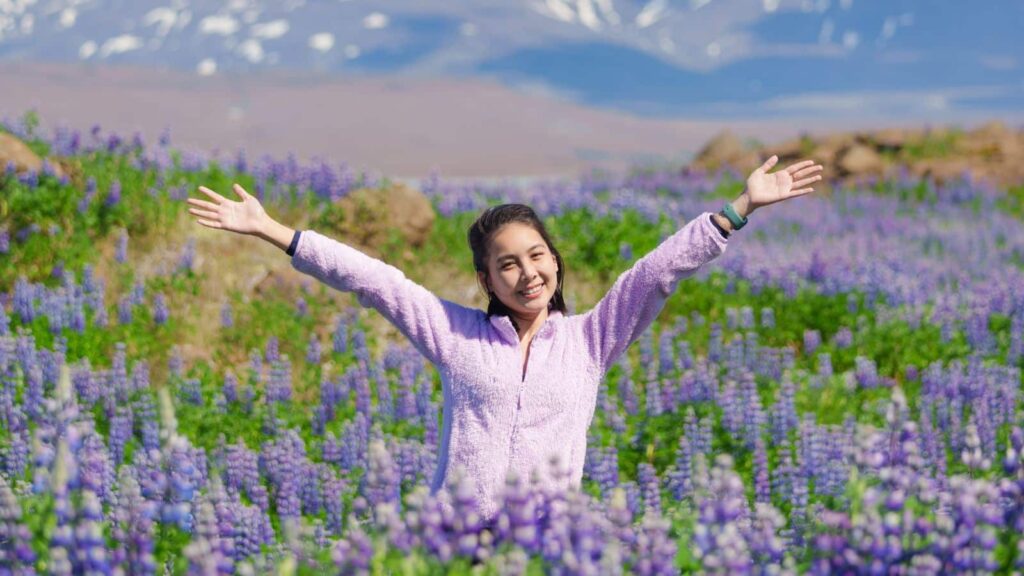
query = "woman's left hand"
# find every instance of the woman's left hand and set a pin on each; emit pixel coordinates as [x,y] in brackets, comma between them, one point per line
[764,188]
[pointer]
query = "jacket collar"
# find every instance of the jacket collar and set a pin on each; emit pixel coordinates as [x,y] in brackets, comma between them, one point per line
[504,325]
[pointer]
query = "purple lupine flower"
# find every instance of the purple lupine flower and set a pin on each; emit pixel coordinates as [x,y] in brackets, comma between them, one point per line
[15,538]
[762,487]
[313,350]
[339,337]
[279,386]
[812,339]
[187,261]
[113,194]
[843,338]
[382,482]
[121,248]
[649,488]
[160,312]
[719,543]
[183,479]
[784,418]
[91,555]
[272,354]
[226,318]
[190,391]
[768,318]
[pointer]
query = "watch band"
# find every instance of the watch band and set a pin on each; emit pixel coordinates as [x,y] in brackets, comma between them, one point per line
[733,217]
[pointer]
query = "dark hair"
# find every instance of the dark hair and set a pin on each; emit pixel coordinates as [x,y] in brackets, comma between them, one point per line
[480,234]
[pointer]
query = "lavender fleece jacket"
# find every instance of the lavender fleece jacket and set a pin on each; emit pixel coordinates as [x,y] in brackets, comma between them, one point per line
[495,421]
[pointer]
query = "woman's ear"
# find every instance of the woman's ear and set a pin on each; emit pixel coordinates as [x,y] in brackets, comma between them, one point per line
[481,279]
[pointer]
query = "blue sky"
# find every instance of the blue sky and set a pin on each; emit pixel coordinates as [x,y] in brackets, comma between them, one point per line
[900,59]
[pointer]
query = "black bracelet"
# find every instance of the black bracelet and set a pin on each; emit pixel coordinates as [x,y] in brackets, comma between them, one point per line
[295,244]
[720,229]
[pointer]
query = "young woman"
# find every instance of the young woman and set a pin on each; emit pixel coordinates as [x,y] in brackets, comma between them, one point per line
[520,380]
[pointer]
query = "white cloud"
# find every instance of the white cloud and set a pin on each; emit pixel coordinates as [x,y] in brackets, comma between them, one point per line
[120,44]
[221,24]
[559,10]
[87,49]
[588,16]
[608,11]
[207,67]
[770,6]
[651,13]
[850,40]
[251,50]
[468,29]
[163,17]
[270,30]
[321,42]
[352,51]
[1001,62]
[376,21]
[893,102]
[68,17]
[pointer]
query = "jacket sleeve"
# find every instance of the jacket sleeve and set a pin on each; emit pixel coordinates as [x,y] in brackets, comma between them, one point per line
[639,294]
[426,320]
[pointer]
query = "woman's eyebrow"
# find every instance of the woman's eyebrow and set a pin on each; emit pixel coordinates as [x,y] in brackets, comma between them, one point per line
[530,249]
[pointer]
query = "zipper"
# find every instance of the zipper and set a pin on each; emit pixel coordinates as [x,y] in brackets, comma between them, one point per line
[519,399]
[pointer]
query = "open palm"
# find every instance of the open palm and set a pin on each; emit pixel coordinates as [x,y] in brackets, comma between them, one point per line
[764,188]
[245,217]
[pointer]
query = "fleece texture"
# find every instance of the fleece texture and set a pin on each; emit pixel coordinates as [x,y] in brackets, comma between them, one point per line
[497,421]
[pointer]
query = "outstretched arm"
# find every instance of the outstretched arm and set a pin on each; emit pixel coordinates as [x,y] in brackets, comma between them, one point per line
[764,189]
[424,318]
[245,217]
[639,294]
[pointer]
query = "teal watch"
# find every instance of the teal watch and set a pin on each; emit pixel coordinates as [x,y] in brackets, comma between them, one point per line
[733,217]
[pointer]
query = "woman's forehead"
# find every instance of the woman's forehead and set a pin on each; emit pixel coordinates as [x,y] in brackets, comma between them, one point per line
[515,237]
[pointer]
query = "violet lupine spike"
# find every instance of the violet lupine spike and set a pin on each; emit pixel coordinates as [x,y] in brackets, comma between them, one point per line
[762,487]
[650,488]
[16,553]
[160,311]
[719,544]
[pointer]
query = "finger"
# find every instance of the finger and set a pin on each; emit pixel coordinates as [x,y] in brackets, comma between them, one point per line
[217,197]
[808,171]
[806,181]
[769,163]
[209,224]
[800,192]
[240,191]
[794,167]
[204,214]
[202,204]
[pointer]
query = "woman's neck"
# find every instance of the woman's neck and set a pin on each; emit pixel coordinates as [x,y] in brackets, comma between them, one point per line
[526,327]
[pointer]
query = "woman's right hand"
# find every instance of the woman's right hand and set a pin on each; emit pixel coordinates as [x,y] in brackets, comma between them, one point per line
[245,217]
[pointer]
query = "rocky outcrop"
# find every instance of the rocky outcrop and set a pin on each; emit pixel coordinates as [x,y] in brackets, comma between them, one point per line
[993,152]
[14,151]
[370,217]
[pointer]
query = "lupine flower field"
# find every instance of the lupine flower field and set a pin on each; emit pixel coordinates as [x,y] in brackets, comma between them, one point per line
[839,393]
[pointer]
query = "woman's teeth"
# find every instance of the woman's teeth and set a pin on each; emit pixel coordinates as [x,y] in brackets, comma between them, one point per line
[533,291]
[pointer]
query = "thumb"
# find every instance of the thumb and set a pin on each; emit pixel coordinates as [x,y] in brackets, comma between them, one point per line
[769,163]
[241,192]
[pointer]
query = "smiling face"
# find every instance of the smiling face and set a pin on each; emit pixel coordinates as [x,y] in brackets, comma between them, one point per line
[521,270]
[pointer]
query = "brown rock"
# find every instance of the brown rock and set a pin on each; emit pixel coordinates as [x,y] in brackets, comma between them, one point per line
[368,217]
[891,138]
[14,150]
[860,160]
[994,130]
[723,149]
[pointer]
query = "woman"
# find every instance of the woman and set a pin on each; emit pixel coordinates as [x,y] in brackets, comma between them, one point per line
[519,381]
